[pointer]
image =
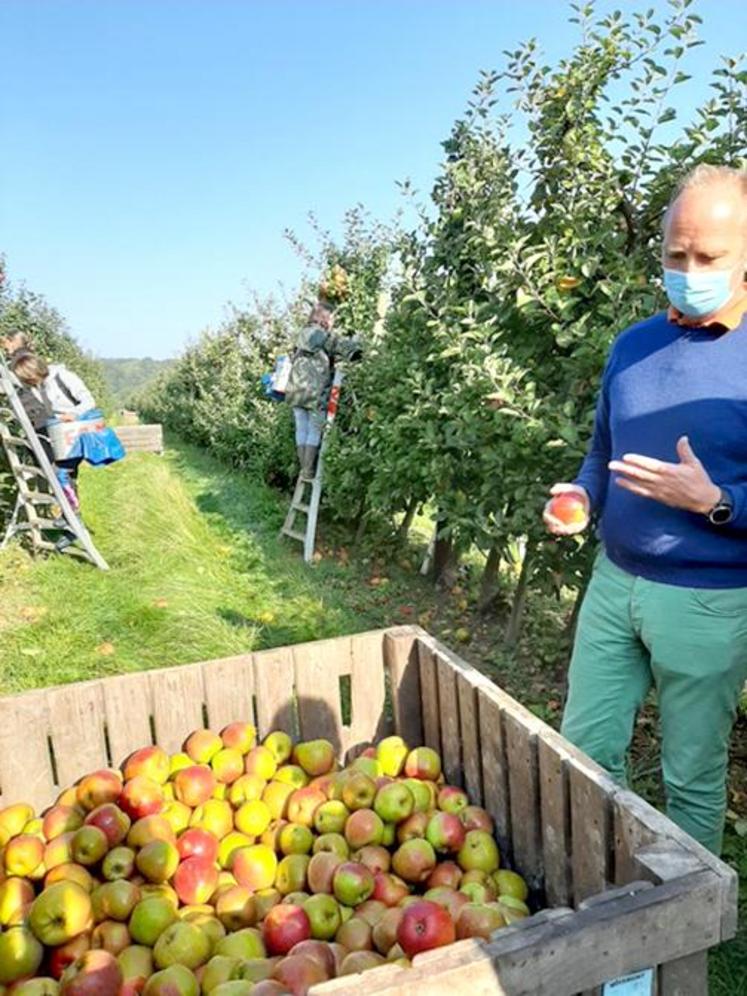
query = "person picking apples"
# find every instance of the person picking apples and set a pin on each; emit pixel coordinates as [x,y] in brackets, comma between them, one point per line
[666,473]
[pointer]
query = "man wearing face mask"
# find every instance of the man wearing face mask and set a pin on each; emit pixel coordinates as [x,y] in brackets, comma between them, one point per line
[666,473]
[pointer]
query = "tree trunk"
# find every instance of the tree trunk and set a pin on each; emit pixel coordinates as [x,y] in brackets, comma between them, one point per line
[513,627]
[404,527]
[445,558]
[489,580]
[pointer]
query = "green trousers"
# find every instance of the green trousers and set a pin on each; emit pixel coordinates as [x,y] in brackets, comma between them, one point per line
[691,644]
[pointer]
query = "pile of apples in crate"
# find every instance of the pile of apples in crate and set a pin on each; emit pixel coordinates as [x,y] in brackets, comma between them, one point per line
[237,868]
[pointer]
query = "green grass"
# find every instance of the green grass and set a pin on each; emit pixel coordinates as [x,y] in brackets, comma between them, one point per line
[196,572]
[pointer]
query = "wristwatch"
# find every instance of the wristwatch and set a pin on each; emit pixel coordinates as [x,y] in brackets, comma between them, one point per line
[723,511]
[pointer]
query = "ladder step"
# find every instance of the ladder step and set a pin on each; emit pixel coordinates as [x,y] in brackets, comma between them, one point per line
[301,537]
[300,507]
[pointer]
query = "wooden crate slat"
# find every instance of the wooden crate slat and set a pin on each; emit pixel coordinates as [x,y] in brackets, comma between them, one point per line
[401,659]
[317,671]
[76,714]
[469,723]
[591,822]
[556,828]
[368,691]
[685,976]
[178,696]
[128,710]
[429,696]
[275,691]
[448,708]
[26,773]
[229,690]
[523,777]
[495,769]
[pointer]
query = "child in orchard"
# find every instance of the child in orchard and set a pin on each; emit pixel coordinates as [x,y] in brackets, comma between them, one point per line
[316,348]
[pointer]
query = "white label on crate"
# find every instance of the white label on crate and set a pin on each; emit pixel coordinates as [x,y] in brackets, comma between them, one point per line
[637,984]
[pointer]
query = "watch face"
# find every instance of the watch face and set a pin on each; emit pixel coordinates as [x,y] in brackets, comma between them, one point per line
[721,514]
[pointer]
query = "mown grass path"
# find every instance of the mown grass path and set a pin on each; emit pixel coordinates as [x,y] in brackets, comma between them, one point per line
[197,572]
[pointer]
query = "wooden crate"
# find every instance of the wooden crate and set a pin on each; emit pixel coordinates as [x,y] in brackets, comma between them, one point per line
[141,438]
[627,889]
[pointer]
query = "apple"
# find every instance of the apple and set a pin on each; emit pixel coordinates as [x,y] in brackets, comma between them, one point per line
[236,908]
[65,954]
[414,826]
[477,818]
[284,926]
[140,797]
[111,936]
[59,851]
[112,820]
[333,842]
[70,873]
[14,818]
[177,814]
[153,762]
[355,934]
[352,883]
[389,889]
[478,920]
[512,909]
[229,846]
[158,860]
[253,818]
[449,898]
[316,757]
[255,866]
[421,793]
[280,746]
[95,973]
[150,918]
[478,891]
[394,802]
[160,889]
[568,508]
[423,763]
[318,951]
[136,962]
[271,836]
[150,828]
[291,774]
[324,916]
[446,873]
[267,987]
[245,943]
[198,843]
[331,816]
[60,819]
[424,925]
[228,765]
[297,973]
[114,900]
[385,930]
[374,856]
[363,827]
[260,761]
[445,832]
[202,746]
[360,961]
[59,913]
[219,969]
[368,765]
[20,954]
[16,895]
[215,816]
[479,851]
[176,980]
[303,803]
[39,986]
[89,845]
[239,736]
[291,873]
[510,883]
[371,911]
[294,838]
[23,855]
[275,795]
[195,880]
[264,900]
[358,791]
[194,785]
[181,943]
[390,834]
[99,788]
[414,860]
[452,799]
[391,753]
[321,870]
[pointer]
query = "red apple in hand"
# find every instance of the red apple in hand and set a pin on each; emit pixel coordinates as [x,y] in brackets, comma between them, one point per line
[568,509]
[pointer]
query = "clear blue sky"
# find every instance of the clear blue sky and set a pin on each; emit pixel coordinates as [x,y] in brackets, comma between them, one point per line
[153,151]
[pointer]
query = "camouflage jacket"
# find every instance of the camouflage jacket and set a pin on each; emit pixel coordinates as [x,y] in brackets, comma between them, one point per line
[313,361]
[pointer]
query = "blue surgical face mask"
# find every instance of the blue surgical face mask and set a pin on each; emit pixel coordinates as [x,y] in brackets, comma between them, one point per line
[700,293]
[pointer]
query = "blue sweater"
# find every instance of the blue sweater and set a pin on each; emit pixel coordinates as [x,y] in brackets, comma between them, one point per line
[663,381]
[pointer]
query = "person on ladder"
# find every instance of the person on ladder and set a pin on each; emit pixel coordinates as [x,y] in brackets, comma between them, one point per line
[315,350]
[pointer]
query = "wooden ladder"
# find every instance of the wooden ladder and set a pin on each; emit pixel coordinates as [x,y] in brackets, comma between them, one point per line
[299,505]
[41,505]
